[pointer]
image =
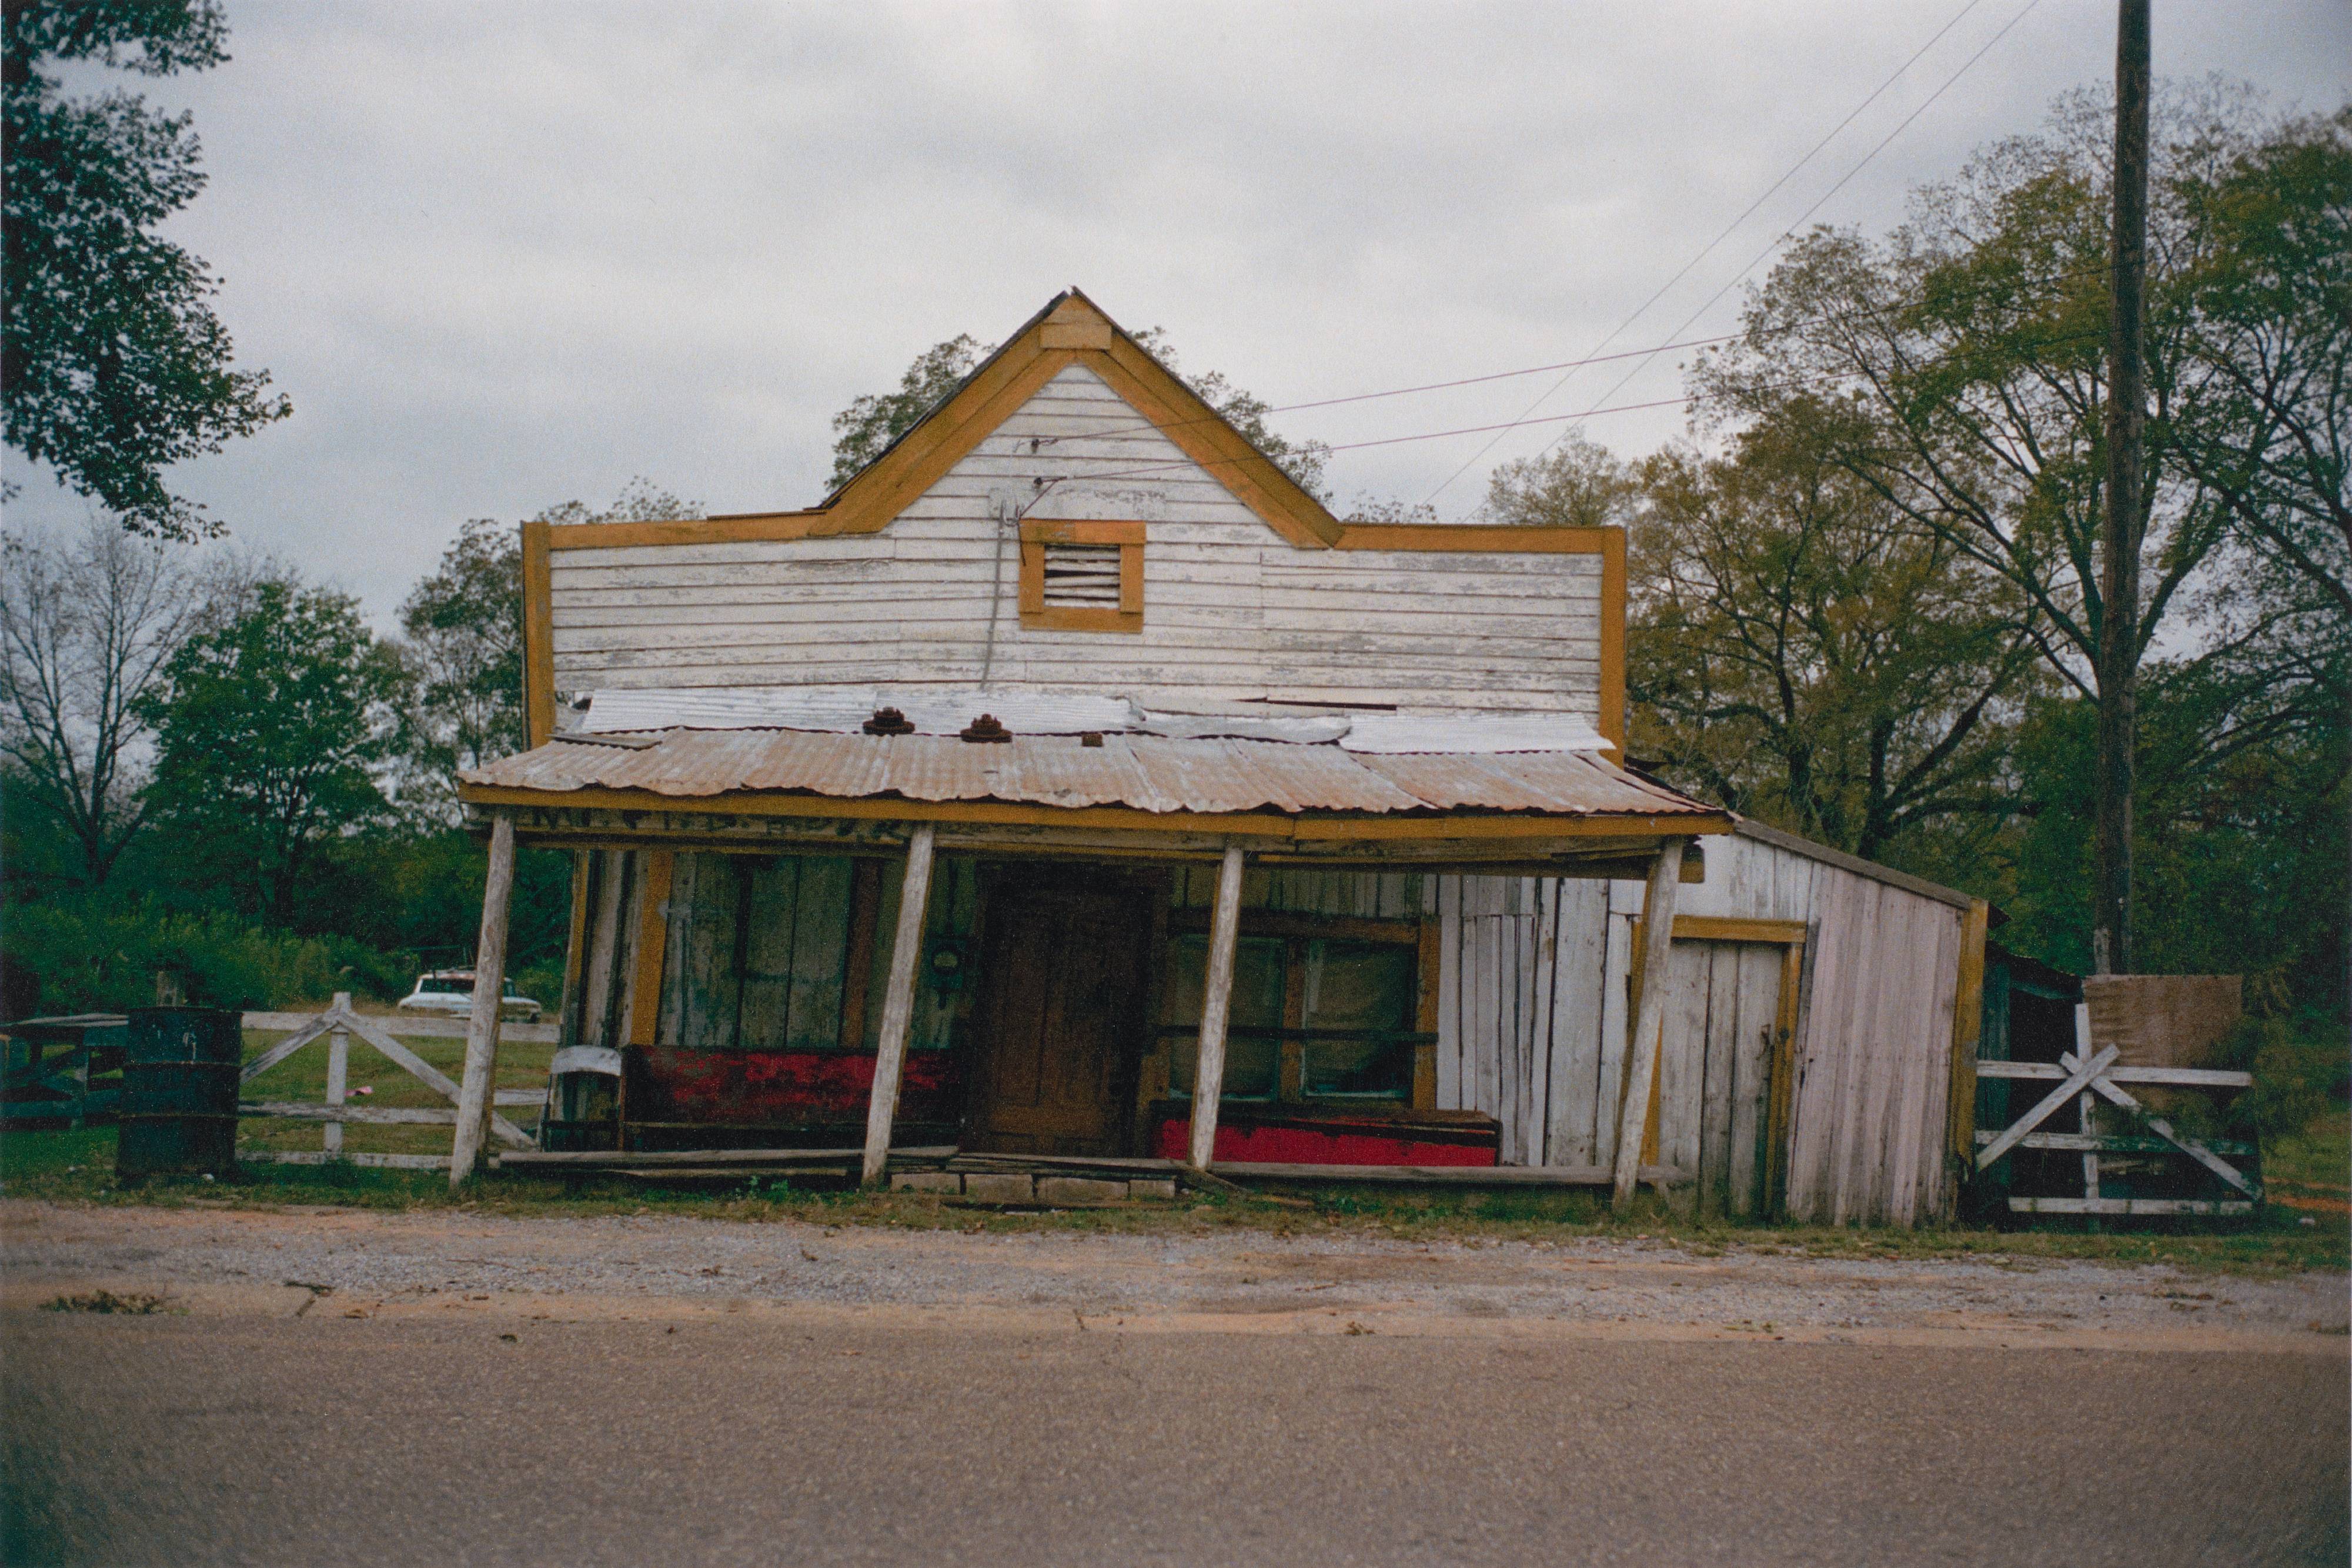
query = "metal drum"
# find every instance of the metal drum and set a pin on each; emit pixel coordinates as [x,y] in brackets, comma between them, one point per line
[179,1092]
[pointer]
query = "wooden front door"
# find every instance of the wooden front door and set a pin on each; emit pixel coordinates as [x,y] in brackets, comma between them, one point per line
[1064,977]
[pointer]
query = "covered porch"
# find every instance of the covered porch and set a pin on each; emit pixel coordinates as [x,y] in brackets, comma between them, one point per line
[1071,957]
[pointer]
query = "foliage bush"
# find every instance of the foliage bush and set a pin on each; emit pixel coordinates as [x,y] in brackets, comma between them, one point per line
[2298,1070]
[88,956]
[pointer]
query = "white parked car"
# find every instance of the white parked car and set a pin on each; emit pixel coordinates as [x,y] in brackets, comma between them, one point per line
[451,992]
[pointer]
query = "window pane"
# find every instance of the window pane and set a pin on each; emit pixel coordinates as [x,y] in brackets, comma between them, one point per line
[1251,1064]
[1361,986]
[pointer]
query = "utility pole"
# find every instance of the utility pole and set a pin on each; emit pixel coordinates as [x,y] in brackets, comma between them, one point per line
[2126,519]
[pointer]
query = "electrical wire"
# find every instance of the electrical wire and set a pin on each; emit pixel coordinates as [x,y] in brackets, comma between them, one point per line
[1708,248]
[1160,466]
[1840,317]
[1790,233]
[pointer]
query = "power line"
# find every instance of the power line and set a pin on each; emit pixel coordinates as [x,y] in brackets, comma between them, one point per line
[1789,232]
[1399,391]
[1160,466]
[2006,286]
[1708,248]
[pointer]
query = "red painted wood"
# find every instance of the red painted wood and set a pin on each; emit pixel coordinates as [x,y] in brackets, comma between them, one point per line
[672,1084]
[1325,1144]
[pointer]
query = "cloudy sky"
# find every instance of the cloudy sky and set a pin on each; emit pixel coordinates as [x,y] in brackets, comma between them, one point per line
[503,256]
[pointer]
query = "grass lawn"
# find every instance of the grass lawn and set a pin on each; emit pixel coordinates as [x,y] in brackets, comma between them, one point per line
[78,1166]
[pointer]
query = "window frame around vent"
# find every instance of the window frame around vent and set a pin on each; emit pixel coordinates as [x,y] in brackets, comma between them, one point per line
[1038,616]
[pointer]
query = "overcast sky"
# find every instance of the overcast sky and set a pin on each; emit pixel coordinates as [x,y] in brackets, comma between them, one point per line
[503,256]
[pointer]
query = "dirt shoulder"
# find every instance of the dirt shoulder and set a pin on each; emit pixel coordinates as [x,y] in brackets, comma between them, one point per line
[207,1260]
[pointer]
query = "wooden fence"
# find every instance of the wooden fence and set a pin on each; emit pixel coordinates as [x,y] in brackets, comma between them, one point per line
[336,1026]
[2087,1078]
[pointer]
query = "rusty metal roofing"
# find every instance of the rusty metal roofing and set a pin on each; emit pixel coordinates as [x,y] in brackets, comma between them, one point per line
[1147,773]
[946,709]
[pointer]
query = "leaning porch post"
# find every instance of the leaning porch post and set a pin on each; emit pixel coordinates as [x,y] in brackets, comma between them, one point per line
[474,1093]
[1217,1002]
[1643,1049]
[899,1003]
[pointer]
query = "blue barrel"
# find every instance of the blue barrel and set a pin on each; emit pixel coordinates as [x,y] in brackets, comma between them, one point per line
[180,1078]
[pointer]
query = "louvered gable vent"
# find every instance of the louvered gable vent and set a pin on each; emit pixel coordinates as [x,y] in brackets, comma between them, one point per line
[1081,576]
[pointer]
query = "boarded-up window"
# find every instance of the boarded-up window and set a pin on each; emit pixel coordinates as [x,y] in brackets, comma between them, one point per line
[1252,1026]
[1352,1033]
[1081,576]
[759,952]
[1365,989]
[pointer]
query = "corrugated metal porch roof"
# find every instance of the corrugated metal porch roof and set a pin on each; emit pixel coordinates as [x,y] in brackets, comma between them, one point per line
[1145,773]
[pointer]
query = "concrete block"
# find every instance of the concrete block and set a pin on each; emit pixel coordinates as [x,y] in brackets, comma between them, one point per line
[927,1181]
[1160,1188]
[998,1188]
[1079,1189]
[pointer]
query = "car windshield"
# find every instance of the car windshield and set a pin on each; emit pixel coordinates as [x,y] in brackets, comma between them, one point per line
[444,983]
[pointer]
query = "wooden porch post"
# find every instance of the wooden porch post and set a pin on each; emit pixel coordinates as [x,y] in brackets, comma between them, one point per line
[899,1003]
[476,1094]
[1643,1049]
[1217,1002]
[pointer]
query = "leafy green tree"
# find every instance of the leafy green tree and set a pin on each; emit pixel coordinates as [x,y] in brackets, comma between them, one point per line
[2268,424]
[1578,483]
[271,738]
[1801,652]
[462,628]
[1963,358]
[114,363]
[865,430]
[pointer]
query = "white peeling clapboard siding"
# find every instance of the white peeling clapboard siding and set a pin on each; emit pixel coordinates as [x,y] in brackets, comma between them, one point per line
[1231,609]
[1532,1001]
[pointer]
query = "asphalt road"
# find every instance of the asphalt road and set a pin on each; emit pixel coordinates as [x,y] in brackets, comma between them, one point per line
[806,1435]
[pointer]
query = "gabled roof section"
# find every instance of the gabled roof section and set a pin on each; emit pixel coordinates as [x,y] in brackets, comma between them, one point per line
[1072,330]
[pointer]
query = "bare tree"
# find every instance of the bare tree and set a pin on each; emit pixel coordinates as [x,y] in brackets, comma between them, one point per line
[87,621]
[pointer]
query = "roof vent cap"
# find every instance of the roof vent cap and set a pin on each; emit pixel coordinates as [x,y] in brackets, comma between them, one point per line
[984,730]
[887,721]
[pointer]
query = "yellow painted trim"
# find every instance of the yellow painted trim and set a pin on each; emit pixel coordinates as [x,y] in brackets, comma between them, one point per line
[868,503]
[652,947]
[1501,539]
[1968,1030]
[1612,639]
[1247,824]
[736,527]
[1202,434]
[537,637]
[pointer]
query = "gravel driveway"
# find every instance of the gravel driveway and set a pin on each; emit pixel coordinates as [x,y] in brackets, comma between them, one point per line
[1227,1281]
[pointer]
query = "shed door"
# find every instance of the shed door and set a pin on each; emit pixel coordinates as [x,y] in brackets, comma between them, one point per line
[1725,1029]
[1065,990]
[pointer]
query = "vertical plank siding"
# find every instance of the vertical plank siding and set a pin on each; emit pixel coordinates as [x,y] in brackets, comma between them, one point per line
[1231,609]
[1530,1009]
[1532,1017]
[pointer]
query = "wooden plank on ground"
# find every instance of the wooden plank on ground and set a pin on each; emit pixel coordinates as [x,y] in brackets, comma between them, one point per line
[2129,1205]
[1540,1177]
[320,1157]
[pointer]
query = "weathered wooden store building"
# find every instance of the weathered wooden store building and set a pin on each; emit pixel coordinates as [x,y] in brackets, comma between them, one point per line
[1072,783]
